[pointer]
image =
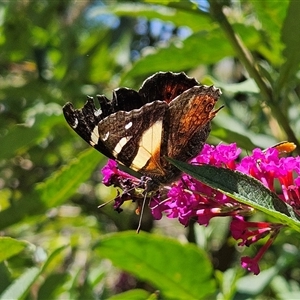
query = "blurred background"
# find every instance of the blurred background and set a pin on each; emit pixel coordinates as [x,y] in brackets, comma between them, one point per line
[52,52]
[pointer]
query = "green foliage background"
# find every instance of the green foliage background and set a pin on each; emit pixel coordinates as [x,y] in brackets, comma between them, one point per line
[55,242]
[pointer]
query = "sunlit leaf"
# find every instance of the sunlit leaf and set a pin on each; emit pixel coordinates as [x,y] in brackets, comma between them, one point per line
[185,5]
[205,47]
[247,86]
[174,58]
[19,288]
[179,17]
[137,294]
[10,247]
[179,271]
[62,184]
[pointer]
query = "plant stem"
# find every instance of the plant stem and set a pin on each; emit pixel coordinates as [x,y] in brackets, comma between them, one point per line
[245,56]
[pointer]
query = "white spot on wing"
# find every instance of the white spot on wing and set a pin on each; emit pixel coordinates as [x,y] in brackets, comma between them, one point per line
[94,136]
[128,125]
[105,137]
[148,145]
[97,112]
[123,141]
[75,123]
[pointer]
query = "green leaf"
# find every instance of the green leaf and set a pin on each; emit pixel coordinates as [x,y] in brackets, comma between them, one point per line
[204,47]
[253,285]
[5,276]
[54,191]
[197,22]
[227,282]
[244,189]
[271,16]
[180,4]
[175,56]
[291,39]
[137,294]
[65,182]
[20,287]
[52,256]
[247,86]
[250,285]
[229,129]
[18,139]
[229,136]
[21,137]
[178,271]
[10,247]
[53,286]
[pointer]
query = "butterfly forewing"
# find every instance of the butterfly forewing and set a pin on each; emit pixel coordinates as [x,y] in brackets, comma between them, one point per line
[122,133]
[83,122]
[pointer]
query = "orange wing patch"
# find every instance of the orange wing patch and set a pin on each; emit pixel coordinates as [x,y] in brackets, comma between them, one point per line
[194,112]
[285,147]
[148,155]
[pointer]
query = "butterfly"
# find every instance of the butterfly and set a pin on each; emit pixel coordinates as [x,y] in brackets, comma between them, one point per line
[169,116]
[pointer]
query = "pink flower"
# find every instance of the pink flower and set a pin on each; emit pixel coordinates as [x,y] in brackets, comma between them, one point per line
[190,199]
[251,264]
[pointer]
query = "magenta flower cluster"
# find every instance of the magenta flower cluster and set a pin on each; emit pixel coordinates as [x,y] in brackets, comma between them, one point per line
[190,199]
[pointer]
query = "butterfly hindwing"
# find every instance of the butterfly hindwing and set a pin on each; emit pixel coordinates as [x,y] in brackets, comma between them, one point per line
[165,86]
[190,117]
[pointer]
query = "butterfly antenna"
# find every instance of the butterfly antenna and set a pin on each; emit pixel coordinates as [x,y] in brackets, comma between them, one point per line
[141,214]
[103,204]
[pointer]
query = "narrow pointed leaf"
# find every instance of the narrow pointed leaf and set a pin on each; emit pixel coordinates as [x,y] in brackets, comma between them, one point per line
[137,294]
[59,187]
[19,289]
